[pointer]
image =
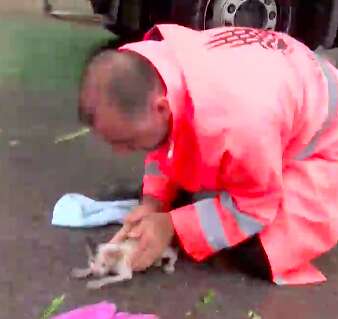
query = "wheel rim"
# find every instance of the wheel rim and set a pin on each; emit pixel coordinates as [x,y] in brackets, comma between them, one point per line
[251,13]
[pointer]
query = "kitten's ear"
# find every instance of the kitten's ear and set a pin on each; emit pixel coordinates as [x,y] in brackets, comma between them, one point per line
[90,242]
[113,252]
[90,248]
[90,253]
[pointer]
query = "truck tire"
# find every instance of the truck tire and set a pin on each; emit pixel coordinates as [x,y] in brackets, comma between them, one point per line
[317,23]
[189,13]
[331,34]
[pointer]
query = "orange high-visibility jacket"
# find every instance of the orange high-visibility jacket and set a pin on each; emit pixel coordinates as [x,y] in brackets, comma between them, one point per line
[254,123]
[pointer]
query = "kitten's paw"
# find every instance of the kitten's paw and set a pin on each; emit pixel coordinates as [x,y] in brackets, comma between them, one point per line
[158,263]
[169,269]
[94,284]
[79,273]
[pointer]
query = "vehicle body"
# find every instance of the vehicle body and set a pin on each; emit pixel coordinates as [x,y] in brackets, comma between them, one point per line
[313,22]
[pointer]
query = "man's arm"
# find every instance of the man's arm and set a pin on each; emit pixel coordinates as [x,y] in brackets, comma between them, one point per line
[251,172]
[158,193]
[158,190]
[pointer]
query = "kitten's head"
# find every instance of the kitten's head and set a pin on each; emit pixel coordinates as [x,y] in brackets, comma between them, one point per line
[105,260]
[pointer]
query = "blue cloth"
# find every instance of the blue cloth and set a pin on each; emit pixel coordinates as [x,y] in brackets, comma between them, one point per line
[76,210]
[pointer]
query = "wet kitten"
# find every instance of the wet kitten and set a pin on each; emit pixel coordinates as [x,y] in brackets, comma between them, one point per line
[112,258]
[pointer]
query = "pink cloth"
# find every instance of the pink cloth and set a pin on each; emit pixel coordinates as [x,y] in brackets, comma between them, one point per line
[103,310]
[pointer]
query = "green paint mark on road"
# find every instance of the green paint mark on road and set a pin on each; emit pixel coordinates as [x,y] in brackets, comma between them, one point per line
[45,54]
[53,308]
[253,315]
[208,298]
[71,136]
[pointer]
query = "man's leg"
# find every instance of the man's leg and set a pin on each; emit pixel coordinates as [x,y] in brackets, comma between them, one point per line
[251,258]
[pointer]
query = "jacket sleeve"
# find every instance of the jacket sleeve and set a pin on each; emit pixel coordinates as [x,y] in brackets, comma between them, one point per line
[156,183]
[248,199]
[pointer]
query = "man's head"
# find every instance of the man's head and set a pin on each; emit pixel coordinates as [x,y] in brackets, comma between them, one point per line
[124,99]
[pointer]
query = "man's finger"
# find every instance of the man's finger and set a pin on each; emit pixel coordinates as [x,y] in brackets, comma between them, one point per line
[144,260]
[122,234]
[140,256]
[136,231]
[141,247]
[136,216]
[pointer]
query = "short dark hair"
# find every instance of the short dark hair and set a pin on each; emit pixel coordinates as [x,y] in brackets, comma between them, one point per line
[132,82]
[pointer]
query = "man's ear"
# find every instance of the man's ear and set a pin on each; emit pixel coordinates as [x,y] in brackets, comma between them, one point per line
[161,106]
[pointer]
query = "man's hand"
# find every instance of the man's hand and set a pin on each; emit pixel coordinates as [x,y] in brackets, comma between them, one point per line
[133,218]
[154,233]
[148,206]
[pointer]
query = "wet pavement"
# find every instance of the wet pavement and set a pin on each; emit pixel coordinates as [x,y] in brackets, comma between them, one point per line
[36,258]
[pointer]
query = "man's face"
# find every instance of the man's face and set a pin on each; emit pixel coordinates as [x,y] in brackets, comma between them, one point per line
[145,131]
